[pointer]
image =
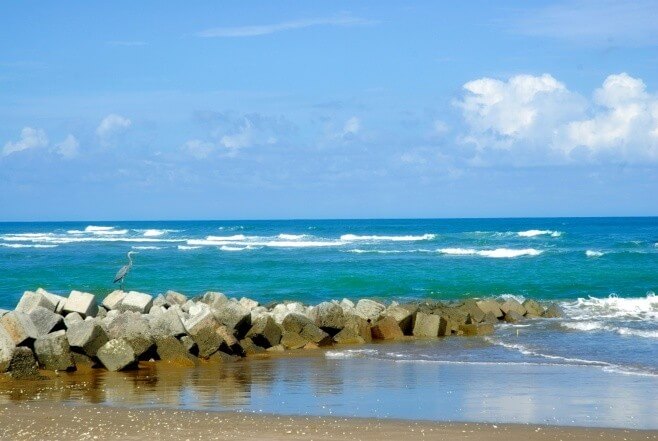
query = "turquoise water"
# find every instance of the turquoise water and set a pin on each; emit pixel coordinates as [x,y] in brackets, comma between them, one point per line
[311,261]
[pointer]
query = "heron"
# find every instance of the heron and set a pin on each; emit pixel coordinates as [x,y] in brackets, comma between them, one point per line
[123,272]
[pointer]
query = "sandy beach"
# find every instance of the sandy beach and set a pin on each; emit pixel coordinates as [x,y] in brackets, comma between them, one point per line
[56,421]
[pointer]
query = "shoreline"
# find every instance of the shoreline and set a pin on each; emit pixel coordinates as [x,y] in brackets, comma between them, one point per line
[57,422]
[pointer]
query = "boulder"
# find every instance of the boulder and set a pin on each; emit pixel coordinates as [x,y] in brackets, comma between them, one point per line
[72,317]
[248,303]
[329,317]
[190,345]
[53,352]
[553,311]
[533,308]
[265,332]
[512,305]
[349,336]
[347,304]
[477,329]
[426,325]
[7,347]
[447,326]
[81,302]
[19,326]
[303,326]
[23,365]
[87,336]
[490,317]
[137,302]
[171,349]
[292,340]
[134,329]
[369,309]
[204,319]
[249,347]
[513,317]
[45,320]
[208,341]
[167,323]
[175,298]
[491,306]
[31,300]
[471,308]
[386,328]
[214,299]
[114,299]
[356,330]
[116,354]
[57,300]
[234,316]
[159,302]
[403,316]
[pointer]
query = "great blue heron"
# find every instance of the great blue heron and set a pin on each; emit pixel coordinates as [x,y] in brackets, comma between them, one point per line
[123,272]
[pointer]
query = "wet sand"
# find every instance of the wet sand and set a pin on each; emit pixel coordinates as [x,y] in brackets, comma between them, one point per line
[58,421]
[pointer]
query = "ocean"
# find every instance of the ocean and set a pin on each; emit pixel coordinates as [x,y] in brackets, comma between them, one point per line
[602,271]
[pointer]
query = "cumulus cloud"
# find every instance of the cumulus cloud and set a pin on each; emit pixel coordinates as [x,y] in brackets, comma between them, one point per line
[68,148]
[198,148]
[112,125]
[535,118]
[30,138]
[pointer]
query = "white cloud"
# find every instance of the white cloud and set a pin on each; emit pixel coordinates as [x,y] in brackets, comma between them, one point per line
[352,127]
[198,148]
[30,139]
[111,126]
[252,31]
[537,118]
[68,148]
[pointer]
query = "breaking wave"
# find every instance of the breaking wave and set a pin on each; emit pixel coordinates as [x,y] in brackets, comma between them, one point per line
[498,253]
[612,307]
[407,238]
[534,233]
[593,253]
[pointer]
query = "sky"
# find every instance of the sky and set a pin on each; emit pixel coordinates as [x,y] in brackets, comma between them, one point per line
[370,109]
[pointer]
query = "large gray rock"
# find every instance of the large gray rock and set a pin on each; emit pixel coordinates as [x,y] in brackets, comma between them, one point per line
[7,347]
[19,327]
[214,299]
[471,308]
[302,325]
[490,306]
[386,328]
[329,316]
[114,299]
[57,300]
[370,309]
[45,320]
[136,302]
[448,326]
[513,305]
[87,336]
[533,308]
[265,332]
[203,330]
[175,298]
[53,352]
[134,329]
[81,302]
[167,323]
[234,316]
[72,317]
[23,365]
[248,303]
[116,354]
[356,330]
[553,311]
[171,349]
[403,316]
[426,325]
[477,329]
[31,300]
[292,340]
[513,316]
[203,319]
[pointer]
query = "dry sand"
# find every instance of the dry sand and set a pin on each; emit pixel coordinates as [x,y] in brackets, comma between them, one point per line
[58,421]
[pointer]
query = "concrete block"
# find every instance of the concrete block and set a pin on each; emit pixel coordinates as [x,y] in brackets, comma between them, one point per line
[81,302]
[19,327]
[116,354]
[137,302]
[53,352]
[87,336]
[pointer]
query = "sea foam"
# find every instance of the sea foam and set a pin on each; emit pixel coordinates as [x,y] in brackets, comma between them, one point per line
[533,233]
[498,253]
[594,253]
[594,308]
[405,238]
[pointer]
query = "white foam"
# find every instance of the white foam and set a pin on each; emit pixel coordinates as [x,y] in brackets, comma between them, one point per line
[22,245]
[227,238]
[152,232]
[94,229]
[146,248]
[230,248]
[350,353]
[408,238]
[187,248]
[594,253]
[534,233]
[292,236]
[593,308]
[586,326]
[637,332]
[498,253]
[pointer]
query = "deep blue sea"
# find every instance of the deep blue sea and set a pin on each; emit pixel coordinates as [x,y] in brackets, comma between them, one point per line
[603,271]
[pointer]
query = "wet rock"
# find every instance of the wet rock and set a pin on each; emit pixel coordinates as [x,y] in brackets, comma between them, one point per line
[329,317]
[477,329]
[23,365]
[553,311]
[490,306]
[45,320]
[31,300]
[513,317]
[190,345]
[356,331]
[448,326]
[426,325]
[7,347]
[292,340]
[208,341]
[533,308]
[250,348]
[136,302]
[53,352]
[303,326]
[87,336]
[114,299]
[234,316]
[81,302]
[386,328]
[471,308]
[512,305]
[116,354]
[403,316]
[171,349]
[265,332]
[82,360]
[370,309]
[490,317]
[19,327]
[167,323]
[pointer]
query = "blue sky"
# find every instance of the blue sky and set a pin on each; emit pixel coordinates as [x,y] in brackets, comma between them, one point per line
[218,110]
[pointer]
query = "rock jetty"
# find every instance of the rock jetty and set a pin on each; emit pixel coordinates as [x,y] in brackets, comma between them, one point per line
[57,333]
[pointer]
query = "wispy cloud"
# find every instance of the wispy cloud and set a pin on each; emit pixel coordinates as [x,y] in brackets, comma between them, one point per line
[257,30]
[128,43]
[30,138]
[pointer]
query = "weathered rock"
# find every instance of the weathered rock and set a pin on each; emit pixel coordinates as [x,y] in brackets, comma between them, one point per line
[303,326]
[53,352]
[134,329]
[447,326]
[171,349]
[553,311]
[7,347]
[190,345]
[403,316]
[265,332]
[234,316]
[347,304]
[45,320]
[490,317]
[386,328]
[426,325]
[23,365]
[87,336]
[471,308]
[329,317]
[137,302]
[204,319]
[82,360]
[277,348]
[349,335]
[114,299]
[250,348]
[3,312]
[292,340]
[31,300]
[490,306]
[175,298]
[533,308]
[19,326]
[72,317]
[116,354]
[214,299]
[58,301]
[356,330]
[477,329]
[513,317]
[81,302]
[159,302]
[512,305]
[167,323]
[248,303]
[208,341]
[370,309]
